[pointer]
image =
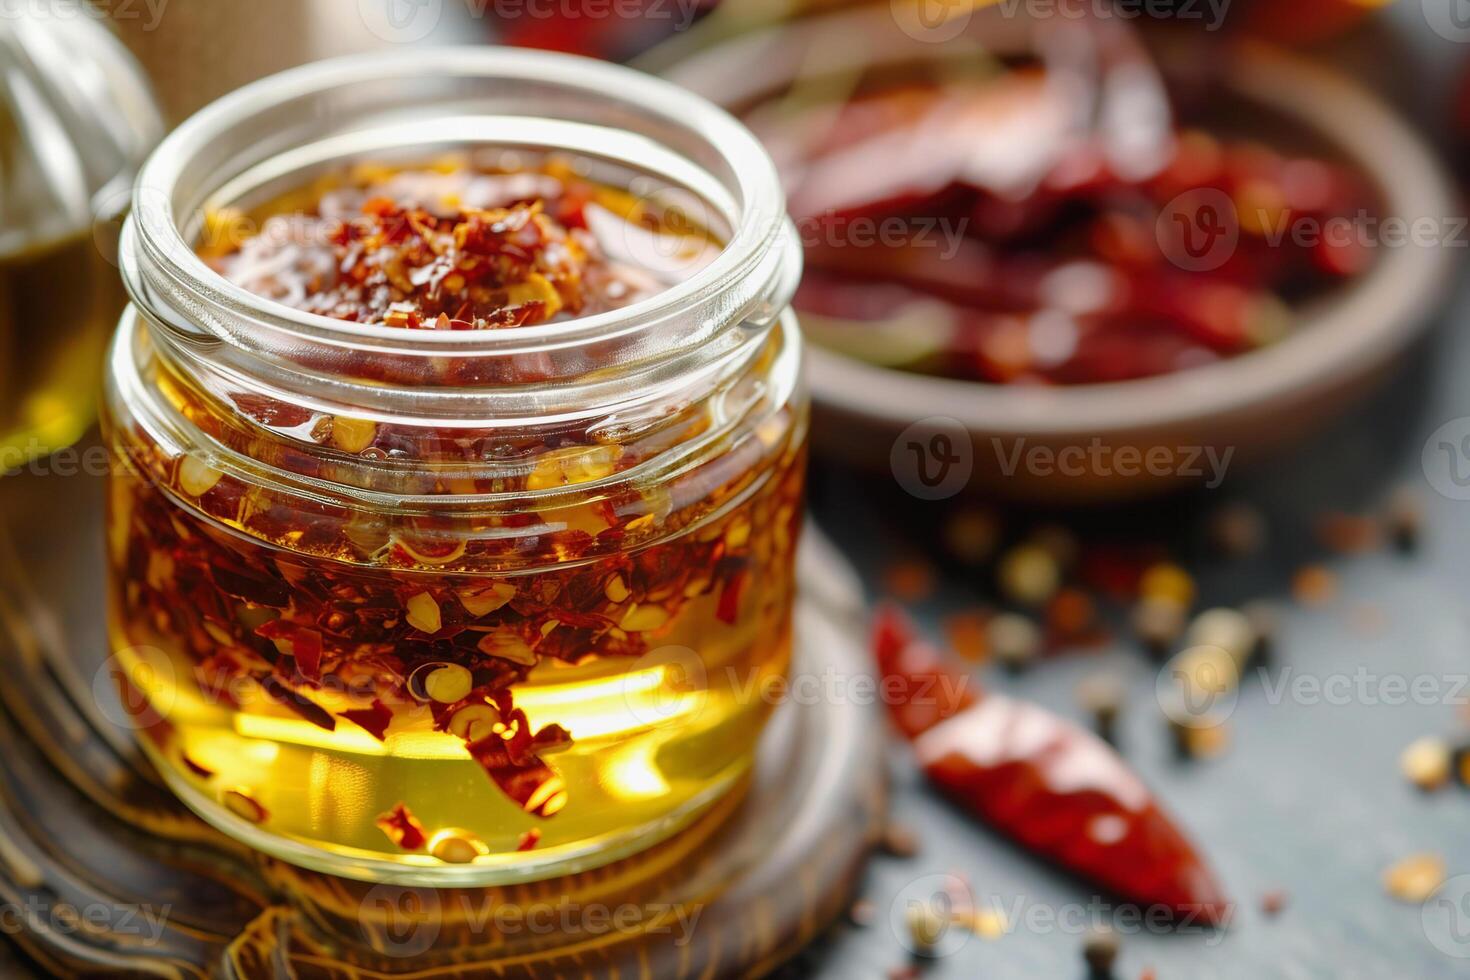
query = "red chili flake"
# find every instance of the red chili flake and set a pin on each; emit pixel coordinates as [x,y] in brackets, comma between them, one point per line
[375,719]
[1016,766]
[299,703]
[968,635]
[203,772]
[1314,585]
[402,828]
[1349,534]
[529,839]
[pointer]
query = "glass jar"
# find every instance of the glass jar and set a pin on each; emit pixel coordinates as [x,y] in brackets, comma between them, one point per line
[454,607]
[76,119]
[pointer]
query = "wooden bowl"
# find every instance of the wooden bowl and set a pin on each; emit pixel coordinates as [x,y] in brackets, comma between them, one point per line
[1102,442]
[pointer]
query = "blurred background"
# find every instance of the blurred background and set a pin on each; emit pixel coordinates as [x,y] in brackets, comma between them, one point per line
[1121,311]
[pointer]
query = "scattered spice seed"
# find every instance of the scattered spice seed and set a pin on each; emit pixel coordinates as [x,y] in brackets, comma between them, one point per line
[1101,697]
[203,772]
[1193,742]
[1014,640]
[1273,902]
[1228,629]
[1426,763]
[1405,519]
[909,580]
[1264,620]
[1028,575]
[1415,878]
[862,913]
[1237,530]
[900,841]
[1168,581]
[927,926]
[1314,585]
[971,535]
[1460,765]
[1159,622]
[1100,951]
[967,635]
[529,839]
[449,683]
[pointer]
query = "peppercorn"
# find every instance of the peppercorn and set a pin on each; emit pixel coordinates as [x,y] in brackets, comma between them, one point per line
[1028,575]
[1015,641]
[1102,698]
[1427,763]
[1405,519]
[1101,953]
[1159,622]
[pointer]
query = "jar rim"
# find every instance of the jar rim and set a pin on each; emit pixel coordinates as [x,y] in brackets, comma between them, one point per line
[759,263]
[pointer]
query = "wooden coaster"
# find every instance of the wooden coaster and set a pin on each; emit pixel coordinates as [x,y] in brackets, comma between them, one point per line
[103,872]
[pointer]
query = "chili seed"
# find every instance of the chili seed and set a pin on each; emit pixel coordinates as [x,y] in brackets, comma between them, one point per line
[507,645]
[423,614]
[862,913]
[1415,878]
[243,806]
[927,926]
[353,435]
[196,477]
[483,601]
[449,683]
[456,846]
[615,590]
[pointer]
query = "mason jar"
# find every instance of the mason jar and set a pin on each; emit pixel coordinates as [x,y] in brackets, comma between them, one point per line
[454,606]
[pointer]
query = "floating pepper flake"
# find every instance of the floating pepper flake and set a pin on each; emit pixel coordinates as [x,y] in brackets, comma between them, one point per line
[244,806]
[529,839]
[203,772]
[375,720]
[402,828]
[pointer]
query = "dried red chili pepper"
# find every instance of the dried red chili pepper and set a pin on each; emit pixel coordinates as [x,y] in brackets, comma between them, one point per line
[1051,786]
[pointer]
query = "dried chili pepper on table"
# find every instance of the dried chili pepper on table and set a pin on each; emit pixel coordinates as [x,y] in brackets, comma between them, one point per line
[1051,786]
